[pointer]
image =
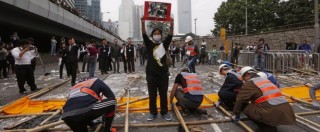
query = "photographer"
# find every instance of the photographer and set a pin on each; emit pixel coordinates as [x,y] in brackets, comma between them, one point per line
[3,60]
[23,55]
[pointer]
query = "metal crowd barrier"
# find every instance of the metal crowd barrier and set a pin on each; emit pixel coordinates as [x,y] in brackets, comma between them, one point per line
[282,60]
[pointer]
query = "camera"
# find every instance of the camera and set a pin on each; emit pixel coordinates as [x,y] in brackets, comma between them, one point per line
[32,47]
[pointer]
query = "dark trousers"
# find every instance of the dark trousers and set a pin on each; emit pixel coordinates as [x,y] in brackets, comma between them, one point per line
[105,108]
[85,61]
[34,63]
[124,64]
[202,58]
[103,65]
[131,64]
[228,98]
[158,82]
[72,68]
[184,102]
[61,68]
[173,57]
[11,64]
[116,65]
[25,73]
[3,68]
[142,60]
[109,65]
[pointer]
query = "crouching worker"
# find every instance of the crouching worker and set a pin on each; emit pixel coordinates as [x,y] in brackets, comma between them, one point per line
[312,93]
[190,96]
[230,88]
[85,104]
[268,107]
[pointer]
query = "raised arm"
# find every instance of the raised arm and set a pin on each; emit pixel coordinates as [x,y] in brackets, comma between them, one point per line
[143,26]
[171,26]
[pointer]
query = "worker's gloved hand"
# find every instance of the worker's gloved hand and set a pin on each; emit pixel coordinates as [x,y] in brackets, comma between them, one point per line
[315,104]
[236,118]
[217,104]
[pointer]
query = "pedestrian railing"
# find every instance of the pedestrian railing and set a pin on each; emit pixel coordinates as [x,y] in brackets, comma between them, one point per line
[283,61]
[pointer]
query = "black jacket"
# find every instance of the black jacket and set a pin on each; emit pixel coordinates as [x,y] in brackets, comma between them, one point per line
[103,52]
[231,83]
[72,53]
[116,52]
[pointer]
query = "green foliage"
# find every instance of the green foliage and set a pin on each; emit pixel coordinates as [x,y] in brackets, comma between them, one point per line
[263,15]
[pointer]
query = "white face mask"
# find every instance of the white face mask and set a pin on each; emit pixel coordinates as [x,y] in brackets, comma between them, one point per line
[156,38]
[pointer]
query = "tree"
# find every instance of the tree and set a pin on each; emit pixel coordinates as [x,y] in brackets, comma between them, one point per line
[263,15]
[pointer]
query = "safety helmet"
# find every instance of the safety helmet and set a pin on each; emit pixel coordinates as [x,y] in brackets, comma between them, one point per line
[185,69]
[245,69]
[223,66]
[227,63]
[263,75]
[188,38]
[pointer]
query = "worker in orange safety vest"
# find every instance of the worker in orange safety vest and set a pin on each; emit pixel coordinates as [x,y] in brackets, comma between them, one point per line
[85,104]
[188,91]
[262,102]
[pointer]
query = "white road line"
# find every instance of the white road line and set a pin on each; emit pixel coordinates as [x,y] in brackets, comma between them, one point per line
[215,127]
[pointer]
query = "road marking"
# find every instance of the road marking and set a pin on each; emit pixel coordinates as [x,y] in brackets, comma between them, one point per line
[215,127]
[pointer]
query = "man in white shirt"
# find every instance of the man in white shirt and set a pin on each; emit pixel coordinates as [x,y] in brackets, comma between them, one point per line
[23,55]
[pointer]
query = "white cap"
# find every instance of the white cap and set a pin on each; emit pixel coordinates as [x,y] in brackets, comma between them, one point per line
[263,75]
[188,38]
[245,69]
[221,66]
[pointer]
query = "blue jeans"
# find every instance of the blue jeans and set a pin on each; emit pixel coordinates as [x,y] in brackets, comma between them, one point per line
[259,62]
[92,65]
[213,59]
[312,91]
[192,63]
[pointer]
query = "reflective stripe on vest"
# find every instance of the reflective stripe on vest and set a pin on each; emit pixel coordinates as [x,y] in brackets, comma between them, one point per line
[236,74]
[271,92]
[192,51]
[193,84]
[83,89]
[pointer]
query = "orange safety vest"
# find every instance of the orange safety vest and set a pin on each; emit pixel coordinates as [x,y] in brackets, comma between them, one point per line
[193,84]
[236,74]
[83,89]
[191,49]
[271,92]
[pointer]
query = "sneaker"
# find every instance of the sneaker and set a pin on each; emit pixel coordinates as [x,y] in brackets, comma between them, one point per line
[167,117]
[34,90]
[151,117]
[186,113]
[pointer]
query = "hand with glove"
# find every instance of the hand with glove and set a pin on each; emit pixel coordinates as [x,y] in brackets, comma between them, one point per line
[236,118]
[217,104]
[315,104]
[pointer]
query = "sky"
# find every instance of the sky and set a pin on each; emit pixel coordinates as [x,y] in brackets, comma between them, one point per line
[203,10]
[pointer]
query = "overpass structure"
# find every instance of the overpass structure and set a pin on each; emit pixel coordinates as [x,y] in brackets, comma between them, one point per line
[45,17]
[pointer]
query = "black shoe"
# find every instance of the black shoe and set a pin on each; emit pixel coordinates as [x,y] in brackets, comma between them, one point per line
[23,92]
[37,89]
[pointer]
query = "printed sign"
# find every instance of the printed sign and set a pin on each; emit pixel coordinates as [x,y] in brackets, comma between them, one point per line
[157,11]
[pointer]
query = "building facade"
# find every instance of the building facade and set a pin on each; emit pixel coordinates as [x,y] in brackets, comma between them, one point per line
[89,9]
[184,16]
[70,3]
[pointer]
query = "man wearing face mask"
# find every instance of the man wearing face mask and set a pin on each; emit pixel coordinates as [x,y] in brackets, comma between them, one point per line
[157,72]
[192,52]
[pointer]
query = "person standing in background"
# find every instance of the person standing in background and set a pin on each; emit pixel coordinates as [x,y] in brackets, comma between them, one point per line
[92,60]
[130,55]
[15,39]
[123,54]
[62,58]
[3,60]
[214,54]
[143,53]
[24,73]
[116,56]
[85,53]
[172,49]
[109,60]
[72,59]
[53,45]
[10,58]
[203,53]
[103,56]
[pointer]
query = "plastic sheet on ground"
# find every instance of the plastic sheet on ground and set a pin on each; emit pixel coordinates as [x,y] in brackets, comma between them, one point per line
[144,104]
[27,106]
[301,92]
